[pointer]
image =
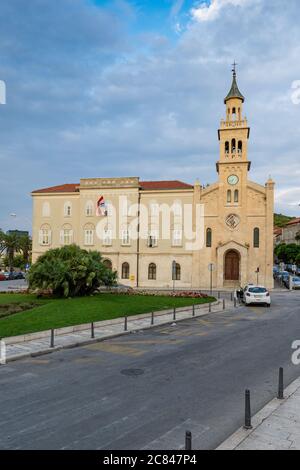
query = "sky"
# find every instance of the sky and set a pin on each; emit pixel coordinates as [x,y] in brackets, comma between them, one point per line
[105,88]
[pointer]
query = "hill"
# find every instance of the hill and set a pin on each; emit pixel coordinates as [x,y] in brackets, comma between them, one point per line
[280,220]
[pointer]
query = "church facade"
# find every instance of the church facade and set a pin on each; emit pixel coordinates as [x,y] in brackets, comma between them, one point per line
[170,233]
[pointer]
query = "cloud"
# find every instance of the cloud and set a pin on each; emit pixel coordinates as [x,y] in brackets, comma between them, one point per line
[211,11]
[86,97]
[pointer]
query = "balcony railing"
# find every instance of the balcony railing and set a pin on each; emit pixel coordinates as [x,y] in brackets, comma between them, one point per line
[233,124]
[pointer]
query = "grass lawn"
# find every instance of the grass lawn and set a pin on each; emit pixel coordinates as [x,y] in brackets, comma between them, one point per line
[57,313]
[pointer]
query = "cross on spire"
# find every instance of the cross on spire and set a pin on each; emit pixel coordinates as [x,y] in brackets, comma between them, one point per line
[234,68]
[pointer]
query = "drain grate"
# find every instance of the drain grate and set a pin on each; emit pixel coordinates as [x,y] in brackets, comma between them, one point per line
[132,372]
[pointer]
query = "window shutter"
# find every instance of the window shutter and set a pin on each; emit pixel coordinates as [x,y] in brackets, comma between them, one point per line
[50,237]
[61,236]
[71,236]
[40,237]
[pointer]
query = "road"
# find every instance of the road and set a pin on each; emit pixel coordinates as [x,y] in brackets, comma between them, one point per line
[7,286]
[145,389]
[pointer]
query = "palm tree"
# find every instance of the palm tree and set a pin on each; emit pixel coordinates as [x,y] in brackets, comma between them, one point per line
[10,243]
[26,247]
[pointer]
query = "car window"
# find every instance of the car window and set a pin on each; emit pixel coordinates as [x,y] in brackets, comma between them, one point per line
[257,290]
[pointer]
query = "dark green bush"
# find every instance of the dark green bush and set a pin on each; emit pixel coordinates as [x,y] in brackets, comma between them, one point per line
[70,272]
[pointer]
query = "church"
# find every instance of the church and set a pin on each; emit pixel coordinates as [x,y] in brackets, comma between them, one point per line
[164,234]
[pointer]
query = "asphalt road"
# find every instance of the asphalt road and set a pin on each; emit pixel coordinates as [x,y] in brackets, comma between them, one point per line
[146,389]
[6,286]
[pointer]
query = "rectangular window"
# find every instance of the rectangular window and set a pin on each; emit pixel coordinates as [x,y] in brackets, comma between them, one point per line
[107,237]
[45,237]
[125,237]
[67,237]
[177,238]
[89,237]
[153,239]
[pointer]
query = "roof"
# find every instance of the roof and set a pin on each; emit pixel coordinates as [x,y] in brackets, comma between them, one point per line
[234,90]
[294,221]
[63,188]
[158,185]
[144,185]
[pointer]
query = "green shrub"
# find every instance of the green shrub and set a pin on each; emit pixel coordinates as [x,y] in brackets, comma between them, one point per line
[70,272]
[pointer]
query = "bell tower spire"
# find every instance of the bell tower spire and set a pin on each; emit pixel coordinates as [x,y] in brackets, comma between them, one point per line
[234,131]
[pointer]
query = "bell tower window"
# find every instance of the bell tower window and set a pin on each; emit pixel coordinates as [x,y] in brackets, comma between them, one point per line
[233,146]
[229,196]
[236,196]
[227,148]
[240,147]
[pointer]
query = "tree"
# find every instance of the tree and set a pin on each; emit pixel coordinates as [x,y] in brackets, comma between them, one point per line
[70,271]
[10,243]
[287,253]
[26,247]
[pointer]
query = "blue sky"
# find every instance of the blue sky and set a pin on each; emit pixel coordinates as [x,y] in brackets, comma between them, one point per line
[136,87]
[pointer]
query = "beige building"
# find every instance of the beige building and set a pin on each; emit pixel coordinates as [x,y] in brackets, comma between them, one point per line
[153,233]
[291,232]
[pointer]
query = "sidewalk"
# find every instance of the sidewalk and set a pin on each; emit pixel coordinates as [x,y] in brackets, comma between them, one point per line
[275,427]
[36,344]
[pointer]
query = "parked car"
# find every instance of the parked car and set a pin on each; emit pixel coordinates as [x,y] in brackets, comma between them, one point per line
[295,282]
[256,295]
[15,275]
[2,277]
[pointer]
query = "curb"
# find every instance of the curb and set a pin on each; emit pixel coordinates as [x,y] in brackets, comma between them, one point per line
[241,434]
[98,340]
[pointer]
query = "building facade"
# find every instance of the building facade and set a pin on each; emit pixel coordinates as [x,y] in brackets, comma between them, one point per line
[291,232]
[167,233]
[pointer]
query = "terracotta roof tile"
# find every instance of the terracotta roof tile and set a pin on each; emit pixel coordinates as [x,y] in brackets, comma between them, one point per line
[294,221]
[158,185]
[144,185]
[63,188]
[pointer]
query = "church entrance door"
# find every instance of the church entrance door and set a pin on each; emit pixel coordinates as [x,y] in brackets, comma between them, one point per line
[232,266]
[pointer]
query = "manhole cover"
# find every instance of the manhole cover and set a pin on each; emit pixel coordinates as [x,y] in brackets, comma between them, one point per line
[132,372]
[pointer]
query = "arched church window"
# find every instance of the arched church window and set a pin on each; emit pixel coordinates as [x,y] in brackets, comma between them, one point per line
[256,237]
[209,238]
[234,113]
[236,195]
[125,271]
[227,149]
[240,146]
[152,271]
[233,146]
[229,196]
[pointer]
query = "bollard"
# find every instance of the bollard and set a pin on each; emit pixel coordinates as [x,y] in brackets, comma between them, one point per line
[152,318]
[219,295]
[224,305]
[280,385]
[125,324]
[52,339]
[92,330]
[231,297]
[247,411]
[209,307]
[193,310]
[234,302]
[188,440]
[174,314]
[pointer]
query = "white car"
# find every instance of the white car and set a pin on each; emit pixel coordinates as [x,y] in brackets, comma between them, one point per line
[256,295]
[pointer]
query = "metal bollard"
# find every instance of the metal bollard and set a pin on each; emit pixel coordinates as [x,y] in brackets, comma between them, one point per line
[125,324]
[52,339]
[92,330]
[235,302]
[280,385]
[219,295]
[152,318]
[188,440]
[224,304]
[174,314]
[231,296]
[193,310]
[248,424]
[209,307]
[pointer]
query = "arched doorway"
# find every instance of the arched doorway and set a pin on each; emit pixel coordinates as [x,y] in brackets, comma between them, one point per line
[232,266]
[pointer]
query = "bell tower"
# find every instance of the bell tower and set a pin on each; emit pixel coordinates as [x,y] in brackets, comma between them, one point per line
[233,164]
